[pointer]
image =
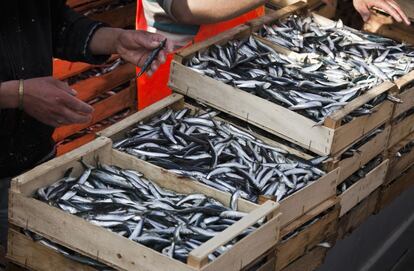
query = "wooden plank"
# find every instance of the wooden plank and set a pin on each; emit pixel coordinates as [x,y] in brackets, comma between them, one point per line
[401,130]
[308,262]
[361,189]
[252,109]
[199,256]
[393,190]
[118,130]
[348,134]
[54,169]
[362,100]
[308,198]
[246,250]
[35,256]
[298,245]
[102,110]
[63,69]
[363,155]
[119,17]
[358,215]
[92,87]
[398,165]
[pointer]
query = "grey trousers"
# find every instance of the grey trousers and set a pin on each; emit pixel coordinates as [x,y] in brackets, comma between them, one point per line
[4,198]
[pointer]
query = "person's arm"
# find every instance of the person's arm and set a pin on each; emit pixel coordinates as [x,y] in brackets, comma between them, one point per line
[78,38]
[208,11]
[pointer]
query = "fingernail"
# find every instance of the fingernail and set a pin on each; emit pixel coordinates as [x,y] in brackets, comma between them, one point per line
[74,92]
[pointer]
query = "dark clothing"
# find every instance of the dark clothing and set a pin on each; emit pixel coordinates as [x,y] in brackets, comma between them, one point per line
[31,34]
[4,197]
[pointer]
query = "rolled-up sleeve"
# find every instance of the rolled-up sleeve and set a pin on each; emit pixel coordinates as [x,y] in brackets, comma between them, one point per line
[72,33]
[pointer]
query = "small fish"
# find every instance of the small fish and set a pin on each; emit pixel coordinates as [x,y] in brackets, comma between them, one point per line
[153,55]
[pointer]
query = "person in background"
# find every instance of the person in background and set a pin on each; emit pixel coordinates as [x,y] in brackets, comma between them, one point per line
[189,21]
[32,102]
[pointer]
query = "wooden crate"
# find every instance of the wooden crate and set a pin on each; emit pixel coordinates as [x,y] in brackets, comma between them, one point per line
[329,138]
[362,156]
[316,6]
[291,207]
[392,190]
[358,215]
[363,188]
[400,130]
[116,251]
[405,87]
[399,165]
[325,228]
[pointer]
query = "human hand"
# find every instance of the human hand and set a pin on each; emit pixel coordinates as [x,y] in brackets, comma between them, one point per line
[389,6]
[136,46]
[53,102]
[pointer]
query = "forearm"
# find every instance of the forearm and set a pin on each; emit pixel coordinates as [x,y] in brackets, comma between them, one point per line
[211,11]
[104,40]
[9,95]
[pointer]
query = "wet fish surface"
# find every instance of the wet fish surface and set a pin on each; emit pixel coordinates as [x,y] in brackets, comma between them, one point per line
[219,154]
[336,68]
[126,203]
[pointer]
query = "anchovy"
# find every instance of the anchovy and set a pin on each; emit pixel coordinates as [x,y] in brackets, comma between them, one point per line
[225,157]
[126,203]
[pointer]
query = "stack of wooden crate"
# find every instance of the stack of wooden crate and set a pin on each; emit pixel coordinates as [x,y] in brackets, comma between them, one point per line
[89,81]
[311,220]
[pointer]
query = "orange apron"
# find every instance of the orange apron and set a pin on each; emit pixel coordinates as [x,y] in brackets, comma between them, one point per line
[154,88]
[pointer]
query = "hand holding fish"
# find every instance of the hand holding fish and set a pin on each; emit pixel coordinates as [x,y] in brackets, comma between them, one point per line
[389,6]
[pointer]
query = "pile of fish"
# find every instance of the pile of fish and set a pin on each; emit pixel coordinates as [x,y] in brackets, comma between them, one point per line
[219,154]
[314,88]
[358,175]
[340,65]
[113,5]
[125,202]
[384,58]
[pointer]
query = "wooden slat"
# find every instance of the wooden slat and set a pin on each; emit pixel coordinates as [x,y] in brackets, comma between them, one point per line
[362,100]
[117,130]
[92,87]
[324,228]
[35,256]
[401,130]
[247,250]
[308,262]
[361,189]
[63,69]
[199,256]
[357,215]
[251,109]
[393,190]
[54,169]
[102,110]
[308,198]
[346,135]
[398,165]
[363,155]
